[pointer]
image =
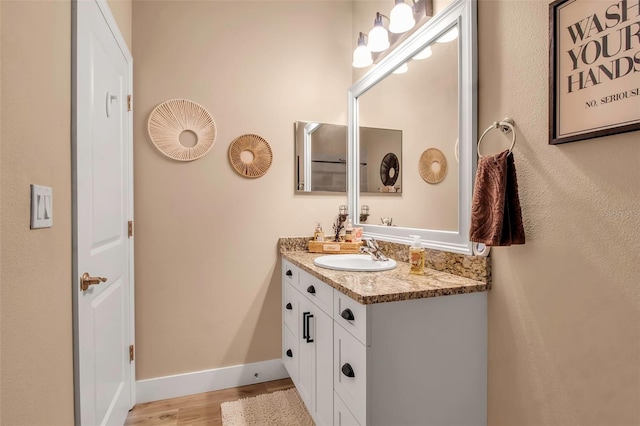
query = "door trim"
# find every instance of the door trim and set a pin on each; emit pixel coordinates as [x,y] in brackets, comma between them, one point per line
[122,45]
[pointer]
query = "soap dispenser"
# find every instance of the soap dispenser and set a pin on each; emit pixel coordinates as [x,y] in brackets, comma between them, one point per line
[348,231]
[416,256]
[318,235]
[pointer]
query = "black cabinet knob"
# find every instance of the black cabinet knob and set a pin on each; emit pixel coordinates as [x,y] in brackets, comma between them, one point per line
[311,289]
[289,307]
[347,370]
[289,273]
[289,353]
[347,314]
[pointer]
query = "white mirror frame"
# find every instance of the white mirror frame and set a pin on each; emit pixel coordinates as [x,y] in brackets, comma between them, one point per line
[464,14]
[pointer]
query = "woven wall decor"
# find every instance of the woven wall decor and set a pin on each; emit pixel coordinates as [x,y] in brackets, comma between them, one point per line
[169,119]
[433,166]
[259,149]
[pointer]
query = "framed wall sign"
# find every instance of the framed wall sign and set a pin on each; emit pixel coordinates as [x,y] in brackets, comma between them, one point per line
[594,68]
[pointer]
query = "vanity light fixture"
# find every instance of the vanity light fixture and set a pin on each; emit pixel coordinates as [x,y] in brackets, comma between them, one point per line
[401,69]
[362,55]
[450,35]
[423,54]
[401,19]
[378,36]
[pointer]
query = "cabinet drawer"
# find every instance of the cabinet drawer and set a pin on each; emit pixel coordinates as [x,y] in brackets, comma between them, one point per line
[290,273]
[350,372]
[290,354]
[321,294]
[351,315]
[341,414]
[290,307]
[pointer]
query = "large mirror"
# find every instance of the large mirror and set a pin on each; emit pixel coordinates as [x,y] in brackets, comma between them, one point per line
[433,101]
[321,158]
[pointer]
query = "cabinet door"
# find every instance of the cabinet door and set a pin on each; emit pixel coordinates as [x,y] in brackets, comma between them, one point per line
[315,383]
[307,352]
[324,368]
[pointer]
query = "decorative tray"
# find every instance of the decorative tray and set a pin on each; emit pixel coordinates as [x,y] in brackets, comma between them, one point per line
[340,247]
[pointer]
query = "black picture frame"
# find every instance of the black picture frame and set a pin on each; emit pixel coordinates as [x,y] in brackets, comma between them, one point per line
[592,99]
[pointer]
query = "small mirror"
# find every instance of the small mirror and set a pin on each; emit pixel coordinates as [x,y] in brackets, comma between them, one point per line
[321,152]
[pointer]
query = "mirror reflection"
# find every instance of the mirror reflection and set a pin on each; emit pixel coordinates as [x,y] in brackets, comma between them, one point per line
[421,98]
[321,153]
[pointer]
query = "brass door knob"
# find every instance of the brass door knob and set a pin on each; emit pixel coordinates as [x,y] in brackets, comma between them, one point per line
[86,281]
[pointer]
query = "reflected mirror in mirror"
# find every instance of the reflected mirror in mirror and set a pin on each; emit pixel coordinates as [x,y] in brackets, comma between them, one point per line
[321,153]
[422,101]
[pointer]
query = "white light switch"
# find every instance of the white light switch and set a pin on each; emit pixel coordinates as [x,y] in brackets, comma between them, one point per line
[41,207]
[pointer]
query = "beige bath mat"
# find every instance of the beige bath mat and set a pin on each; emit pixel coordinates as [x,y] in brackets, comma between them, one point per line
[282,408]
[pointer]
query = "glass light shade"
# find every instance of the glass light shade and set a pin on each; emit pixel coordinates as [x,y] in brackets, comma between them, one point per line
[424,53]
[401,18]
[362,57]
[378,39]
[401,69]
[450,35]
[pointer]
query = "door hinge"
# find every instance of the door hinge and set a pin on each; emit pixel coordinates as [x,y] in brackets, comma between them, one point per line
[129,102]
[131,353]
[130,227]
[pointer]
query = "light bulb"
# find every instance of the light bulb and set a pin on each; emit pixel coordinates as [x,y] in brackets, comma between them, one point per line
[424,53]
[401,18]
[401,69]
[451,35]
[378,36]
[361,55]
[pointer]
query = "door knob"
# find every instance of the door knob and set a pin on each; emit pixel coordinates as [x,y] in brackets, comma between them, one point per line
[86,281]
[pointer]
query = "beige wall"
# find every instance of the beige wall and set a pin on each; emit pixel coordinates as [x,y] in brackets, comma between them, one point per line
[564,311]
[36,313]
[122,12]
[37,356]
[207,272]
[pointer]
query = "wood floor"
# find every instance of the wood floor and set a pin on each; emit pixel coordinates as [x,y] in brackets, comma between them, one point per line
[200,409]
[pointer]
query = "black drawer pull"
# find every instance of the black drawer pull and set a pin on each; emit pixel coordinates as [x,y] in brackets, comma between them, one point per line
[289,353]
[311,289]
[306,329]
[289,307]
[289,273]
[347,370]
[347,314]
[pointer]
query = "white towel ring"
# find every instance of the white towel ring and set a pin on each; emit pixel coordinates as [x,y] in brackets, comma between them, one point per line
[506,126]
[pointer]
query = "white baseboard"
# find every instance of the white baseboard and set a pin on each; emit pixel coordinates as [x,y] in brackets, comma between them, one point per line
[208,380]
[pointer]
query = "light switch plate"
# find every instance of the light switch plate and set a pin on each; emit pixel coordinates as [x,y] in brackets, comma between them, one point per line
[41,207]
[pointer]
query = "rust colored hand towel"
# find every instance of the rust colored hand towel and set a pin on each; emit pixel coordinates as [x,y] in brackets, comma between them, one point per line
[496,216]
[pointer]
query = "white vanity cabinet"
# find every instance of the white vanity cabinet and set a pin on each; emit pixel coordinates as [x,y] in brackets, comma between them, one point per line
[308,340]
[410,362]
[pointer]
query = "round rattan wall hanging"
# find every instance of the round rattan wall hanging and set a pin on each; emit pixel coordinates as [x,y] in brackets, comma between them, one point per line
[433,166]
[250,156]
[171,118]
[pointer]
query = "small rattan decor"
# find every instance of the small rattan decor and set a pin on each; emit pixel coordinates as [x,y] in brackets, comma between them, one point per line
[169,119]
[433,166]
[259,149]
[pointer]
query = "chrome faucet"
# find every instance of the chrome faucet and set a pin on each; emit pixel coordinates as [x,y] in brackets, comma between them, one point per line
[373,249]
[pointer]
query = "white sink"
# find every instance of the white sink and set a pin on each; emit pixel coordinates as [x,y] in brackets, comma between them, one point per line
[354,262]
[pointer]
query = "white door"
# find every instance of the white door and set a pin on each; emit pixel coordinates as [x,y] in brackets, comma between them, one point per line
[103,320]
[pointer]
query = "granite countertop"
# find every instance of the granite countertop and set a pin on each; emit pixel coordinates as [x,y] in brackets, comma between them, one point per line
[386,286]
